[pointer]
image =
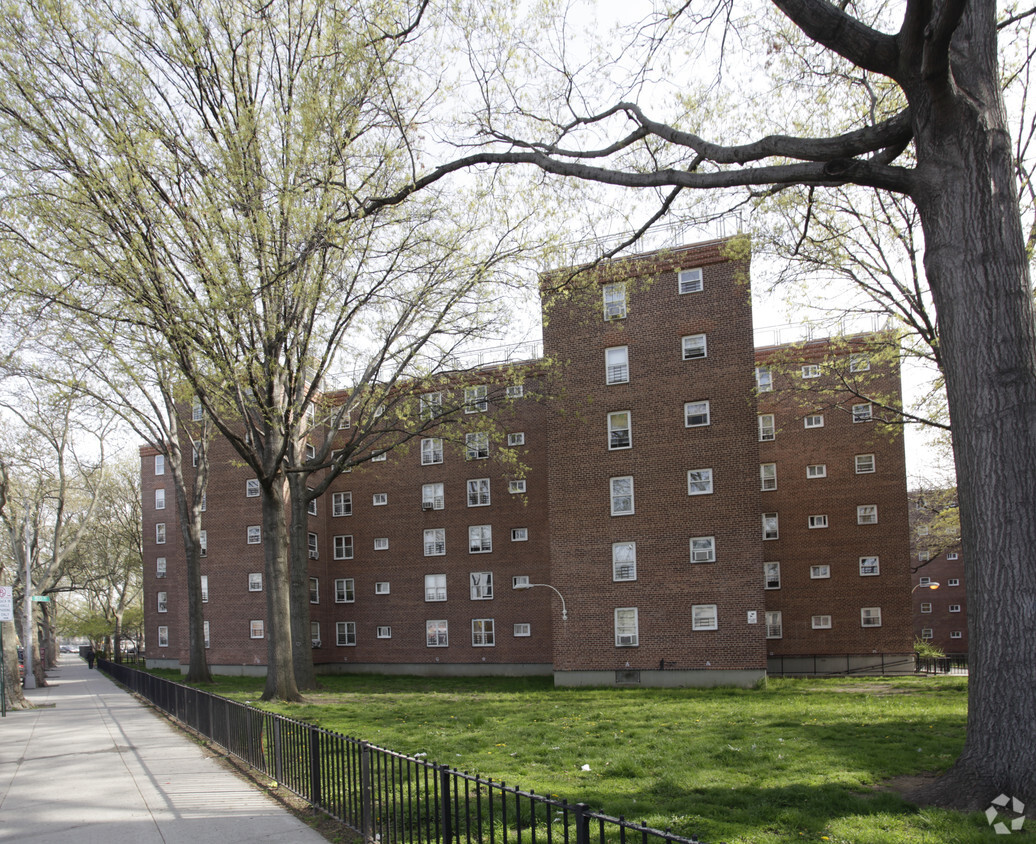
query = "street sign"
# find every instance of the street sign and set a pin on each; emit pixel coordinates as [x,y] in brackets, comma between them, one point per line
[6,603]
[41,599]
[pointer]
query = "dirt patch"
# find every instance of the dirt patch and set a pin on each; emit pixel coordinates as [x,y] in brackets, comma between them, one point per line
[878,689]
[907,784]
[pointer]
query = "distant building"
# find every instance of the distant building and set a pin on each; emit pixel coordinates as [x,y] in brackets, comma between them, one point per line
[706,510]
[941,613]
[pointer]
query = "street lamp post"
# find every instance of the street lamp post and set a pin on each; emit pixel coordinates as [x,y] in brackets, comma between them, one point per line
[564,612]
[933,584]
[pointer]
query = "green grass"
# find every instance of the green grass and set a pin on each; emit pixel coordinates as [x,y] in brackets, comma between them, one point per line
[800,760]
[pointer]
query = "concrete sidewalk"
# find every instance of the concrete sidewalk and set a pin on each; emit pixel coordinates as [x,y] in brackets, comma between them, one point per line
[93,765]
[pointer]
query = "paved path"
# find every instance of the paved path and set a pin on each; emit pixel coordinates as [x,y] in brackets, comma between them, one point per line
[92,765]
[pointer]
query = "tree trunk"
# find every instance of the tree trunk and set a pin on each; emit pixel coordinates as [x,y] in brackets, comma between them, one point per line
[13,684]
[978,272]
[302,652]
[280,670]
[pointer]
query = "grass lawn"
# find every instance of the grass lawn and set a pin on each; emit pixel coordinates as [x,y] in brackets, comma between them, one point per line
[801,760]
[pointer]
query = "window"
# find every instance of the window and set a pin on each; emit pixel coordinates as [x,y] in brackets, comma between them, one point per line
[482,633]
[163,601]
[384,632]
[703,549]
[204,588]
[522,628]
[381,543]
[194,453]
[431,451]
[345,590]
[617,365]
[821,622]
[205,633]
[811,370]
[437,634]
[626,627]
[696,414]
[311,450]
[614,301]
[478,492]
[619,435]
[343,547]
[311,507]
[314,552]
[767,427]
[956,634]
[252,488]
[203,543]
[159,464]
[163,637]
[952,555]
[341,504]
[255,535]
[430,405]
[864,464]
[519,534]
[699,482]
[516,487]
[476,446]
[926,607]
[624,561]
[704,617]
[818,521]
[859,363]
[770,526]
[255,581]
[435,542]
[160,499]
[345,634]
[160,533]
[255,629]
[382,587]
[515,391]
[954,607]
[160,567]
[768,476]
[867,514]
[862,412]
[923,556]
[774,626]
[379,499]
[870,566]
[204,501]
[816,470]
[694,346]
[435,587]
[821,572]
[480,539]
[926,633]
[432,497]
[771,575]
[922,530]
[925,581]
[475,399]
[314,634]
[763,379]
[519,581]
[689,281]
[622,496]
[345,421]
[814,420]
[481,583]
[870,617]
[516,439]
[953,581]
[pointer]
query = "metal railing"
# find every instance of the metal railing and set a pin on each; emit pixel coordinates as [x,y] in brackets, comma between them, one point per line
[955,664]
[840,665]
[386,796]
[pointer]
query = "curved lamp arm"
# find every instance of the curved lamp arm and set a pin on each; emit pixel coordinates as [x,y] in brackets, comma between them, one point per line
[564,611]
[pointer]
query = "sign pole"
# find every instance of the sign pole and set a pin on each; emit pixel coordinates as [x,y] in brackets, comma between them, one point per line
[6,614]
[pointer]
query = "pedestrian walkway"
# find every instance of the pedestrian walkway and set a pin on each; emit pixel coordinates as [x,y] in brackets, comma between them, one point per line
[92,765]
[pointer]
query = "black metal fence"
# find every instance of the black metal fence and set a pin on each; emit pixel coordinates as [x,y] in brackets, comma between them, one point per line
[386,796]
[955,664]
[844,665]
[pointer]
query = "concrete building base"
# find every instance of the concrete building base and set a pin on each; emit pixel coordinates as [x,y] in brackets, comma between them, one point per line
[748,678]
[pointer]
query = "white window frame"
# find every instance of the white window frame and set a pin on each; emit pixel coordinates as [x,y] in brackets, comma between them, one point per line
[341,504]
[816,470]
[767,427]
[522,629]
[163,636]
[859,363]
[437,633]
[480,539]
[703,549]
[699,482]
[927,633]
[519,534]
[162,601]
[483,633]
[763,379]
[476,399]
[255,581]
[926,607]
[479,492]
[774,624]
[343,546]
[617,372]
[862,461]
[160,567]
[811,370]
[694,347]
[431,451]
[204,588]
[311,505]
[203,543]
[383,631]
[160,534]
[252,488]
[382,587]
[516,487]
[952,555]
[953,581]
[256,629]
[870,566]
[813,420]
[379,499]
[517,438]
[862,413]
[619,497]
[430,405]
[924,581]
[313,545]
[954,608]
[956,634]
[480,585]
[159,464]
[345,590]
[160,498]
[867,514]
[818,522]
[767,477]
[613,301]
[381,543]
[704,617]
[515,391]
[820,571]
[345,634]
[697,410]
[821,622]
[205,633]
[435,539]
[771,526]
[616,427]
[627,627]
[379,456]
[772,575]
[434,587]
[433,496]
[690,281]
[254,535]
[476,446]
[314,590]
[519,581]
[870,616]
[624,562]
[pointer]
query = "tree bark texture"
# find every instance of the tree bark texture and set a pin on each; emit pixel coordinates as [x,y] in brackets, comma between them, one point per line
[280,669]
[298,548]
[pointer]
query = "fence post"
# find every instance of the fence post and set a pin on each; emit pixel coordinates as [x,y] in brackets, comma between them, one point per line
[445,814]
[582,824]
[314,766]
[366,793]
[277,755]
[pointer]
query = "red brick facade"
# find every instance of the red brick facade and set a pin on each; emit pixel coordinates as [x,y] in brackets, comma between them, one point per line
[638,444]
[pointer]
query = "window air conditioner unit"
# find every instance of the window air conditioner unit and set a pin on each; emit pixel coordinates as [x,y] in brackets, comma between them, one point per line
[614,311]
[426,505]
[316,643]
[627,640]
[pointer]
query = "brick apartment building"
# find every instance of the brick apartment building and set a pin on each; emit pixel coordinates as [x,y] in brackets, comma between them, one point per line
[640,477]
[940,613]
